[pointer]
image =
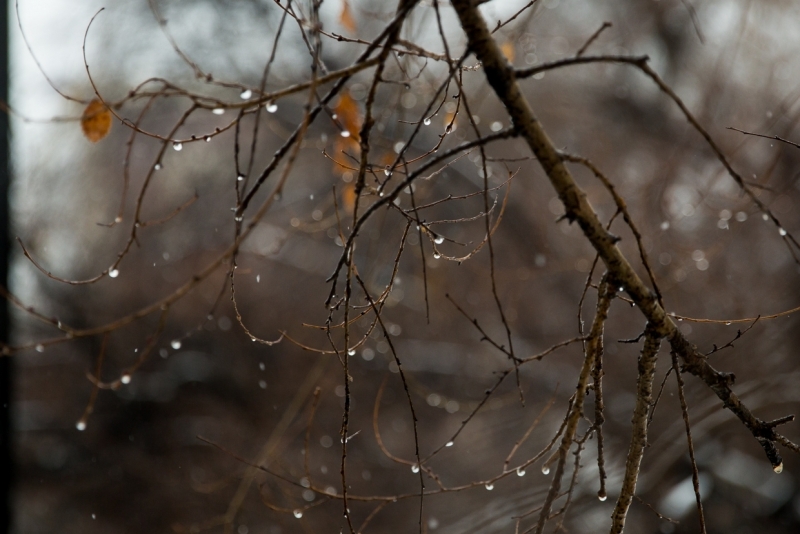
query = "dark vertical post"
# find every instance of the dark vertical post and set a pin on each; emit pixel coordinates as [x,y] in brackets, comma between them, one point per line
[6,380]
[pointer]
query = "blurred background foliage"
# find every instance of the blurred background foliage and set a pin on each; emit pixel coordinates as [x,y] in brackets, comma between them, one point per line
[139,466]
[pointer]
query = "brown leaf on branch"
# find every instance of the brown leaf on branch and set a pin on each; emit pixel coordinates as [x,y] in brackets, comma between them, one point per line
[96,121]
[349,115]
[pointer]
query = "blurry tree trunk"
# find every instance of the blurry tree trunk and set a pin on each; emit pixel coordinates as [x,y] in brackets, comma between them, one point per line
[6,479]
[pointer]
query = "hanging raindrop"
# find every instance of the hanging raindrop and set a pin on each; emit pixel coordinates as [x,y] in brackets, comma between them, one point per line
[415,468]
[218,111]
[176,344]
[449,444]
[545,469]
[298,514]
[490,487]
[520,472]
[438,240]
[271,107]
[113,273]
[81,425]
[125,379]
[177,146]
[246,94]
[426,122]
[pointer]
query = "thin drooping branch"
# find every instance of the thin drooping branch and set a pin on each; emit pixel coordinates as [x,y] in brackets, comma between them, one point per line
[605,295]
[688,426]
[644,400]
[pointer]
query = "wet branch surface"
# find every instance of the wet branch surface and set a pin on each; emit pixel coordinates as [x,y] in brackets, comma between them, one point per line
[503,80]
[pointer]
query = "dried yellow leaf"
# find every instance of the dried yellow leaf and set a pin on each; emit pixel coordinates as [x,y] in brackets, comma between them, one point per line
[96,121]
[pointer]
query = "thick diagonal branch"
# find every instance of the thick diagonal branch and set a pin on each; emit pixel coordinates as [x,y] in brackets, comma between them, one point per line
[578,209]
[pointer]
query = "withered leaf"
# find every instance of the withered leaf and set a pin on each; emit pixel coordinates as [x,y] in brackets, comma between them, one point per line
[96,121]
[346,17]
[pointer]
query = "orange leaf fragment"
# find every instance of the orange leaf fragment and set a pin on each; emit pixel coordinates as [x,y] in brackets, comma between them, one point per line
[449,120]
[346,17]
[508,50]
[96,121]
[349,198]
[348,114]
